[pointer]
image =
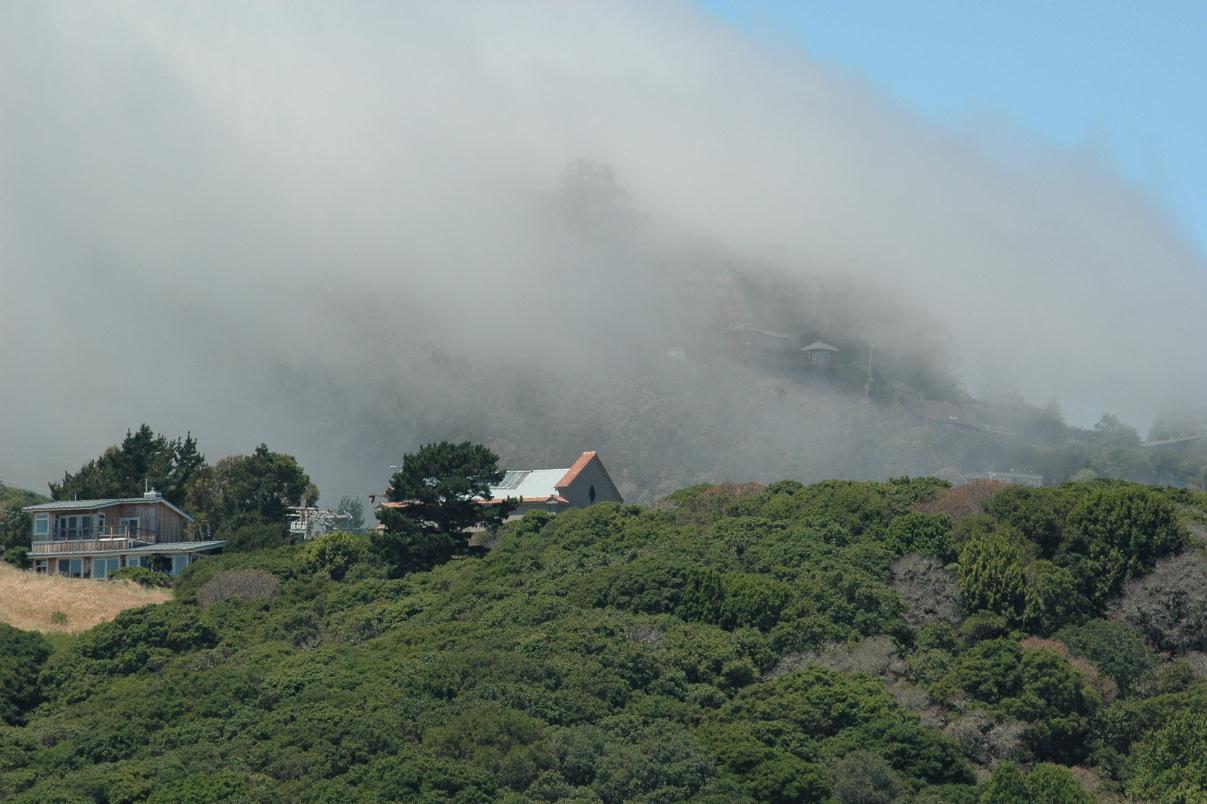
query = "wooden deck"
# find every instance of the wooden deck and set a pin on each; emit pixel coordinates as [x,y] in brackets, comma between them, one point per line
[104,544]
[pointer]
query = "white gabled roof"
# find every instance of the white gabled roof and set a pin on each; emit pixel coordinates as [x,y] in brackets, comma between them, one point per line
[533,485]
[819,346]
[528,484]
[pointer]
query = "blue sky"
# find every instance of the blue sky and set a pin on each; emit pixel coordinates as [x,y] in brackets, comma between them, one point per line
[1125,80]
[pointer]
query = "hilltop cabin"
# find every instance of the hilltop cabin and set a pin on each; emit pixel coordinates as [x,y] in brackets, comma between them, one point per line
[94,538]
[553,490]
[819,354]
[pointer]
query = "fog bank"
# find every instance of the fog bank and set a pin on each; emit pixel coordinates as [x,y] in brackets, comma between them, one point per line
[348,230]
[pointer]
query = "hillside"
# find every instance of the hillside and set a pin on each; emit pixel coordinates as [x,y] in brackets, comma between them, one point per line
[847,642]
[33,602]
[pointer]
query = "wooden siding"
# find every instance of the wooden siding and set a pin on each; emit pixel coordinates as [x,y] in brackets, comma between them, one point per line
[156,522]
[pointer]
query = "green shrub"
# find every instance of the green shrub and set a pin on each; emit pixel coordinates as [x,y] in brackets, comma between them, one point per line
[991,671]
[983,625]
[138,640]
[257,536]
[786,779]
[925,534]
[241,584]
[18,557]
[1055,784]
[142,576]
[993,575]
[1052,598]
[862,777]
[1057,704]
[1007,785]
[1123,532]
[508,744]
[1116,649]
[1171,764]
[333,554]
[1034,513]
[281,562]
[1046,784]
[22,654]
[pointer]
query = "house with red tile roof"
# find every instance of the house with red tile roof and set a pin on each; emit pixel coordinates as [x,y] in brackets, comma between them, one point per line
[584,483]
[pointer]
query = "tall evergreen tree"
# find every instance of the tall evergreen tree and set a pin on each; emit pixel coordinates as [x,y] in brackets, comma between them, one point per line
[143,459]
[435,489]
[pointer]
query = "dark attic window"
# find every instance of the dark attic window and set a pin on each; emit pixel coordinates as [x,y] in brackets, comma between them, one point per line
[591,494]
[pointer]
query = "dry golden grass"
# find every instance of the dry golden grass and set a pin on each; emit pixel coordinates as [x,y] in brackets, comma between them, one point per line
[30,601]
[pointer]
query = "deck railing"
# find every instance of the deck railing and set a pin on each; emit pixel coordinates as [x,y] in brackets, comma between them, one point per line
[113,538]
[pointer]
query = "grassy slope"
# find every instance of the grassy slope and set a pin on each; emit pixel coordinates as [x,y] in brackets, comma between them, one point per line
[28,601]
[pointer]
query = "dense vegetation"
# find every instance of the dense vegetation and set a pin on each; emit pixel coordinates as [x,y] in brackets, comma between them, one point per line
[856,642]
[15,524]
[241,498]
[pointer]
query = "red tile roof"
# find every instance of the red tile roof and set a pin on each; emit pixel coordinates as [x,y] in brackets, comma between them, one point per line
[557,498]
[574,471]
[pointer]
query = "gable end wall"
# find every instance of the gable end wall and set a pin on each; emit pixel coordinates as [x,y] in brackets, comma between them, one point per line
[593,474]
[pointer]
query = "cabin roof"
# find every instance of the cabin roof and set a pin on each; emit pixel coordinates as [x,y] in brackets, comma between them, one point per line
[533,485]
[819,346]
[574,471]
[176,547]
[159,547]
[529,483]
[88,505]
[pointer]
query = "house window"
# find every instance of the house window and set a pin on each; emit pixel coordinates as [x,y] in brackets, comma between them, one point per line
[40,565]
[75,567]
[42,525]
[129,525]
[591,494]
[104,567]
[179,563]
[133,561]
[70,528]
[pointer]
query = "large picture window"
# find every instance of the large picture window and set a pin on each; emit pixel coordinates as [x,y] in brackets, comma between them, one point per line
[104,567]
[42,525]
[73,527]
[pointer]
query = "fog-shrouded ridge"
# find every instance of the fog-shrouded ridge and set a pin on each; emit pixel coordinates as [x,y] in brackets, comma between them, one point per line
[350,229]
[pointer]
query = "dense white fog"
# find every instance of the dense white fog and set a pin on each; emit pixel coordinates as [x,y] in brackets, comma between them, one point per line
[350,229]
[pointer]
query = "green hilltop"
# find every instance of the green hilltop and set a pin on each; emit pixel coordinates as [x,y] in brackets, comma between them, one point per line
[898,641]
